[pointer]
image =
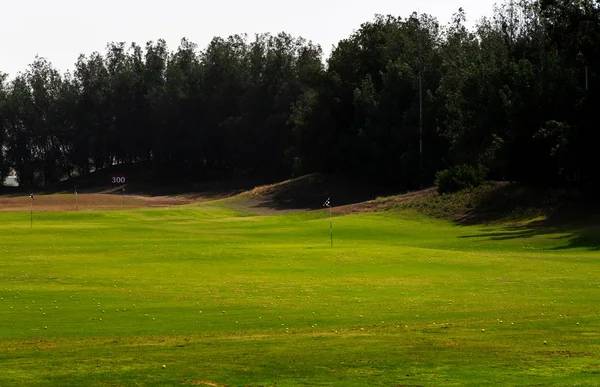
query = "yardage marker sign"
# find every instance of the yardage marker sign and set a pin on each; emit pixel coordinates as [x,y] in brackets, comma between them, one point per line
[118,179]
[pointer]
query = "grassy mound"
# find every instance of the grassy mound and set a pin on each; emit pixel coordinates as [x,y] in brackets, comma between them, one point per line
[500,202]
[307,193]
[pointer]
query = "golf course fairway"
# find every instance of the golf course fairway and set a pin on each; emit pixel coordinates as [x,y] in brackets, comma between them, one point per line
[206,295]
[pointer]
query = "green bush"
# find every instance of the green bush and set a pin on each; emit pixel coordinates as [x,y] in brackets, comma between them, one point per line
[460,177]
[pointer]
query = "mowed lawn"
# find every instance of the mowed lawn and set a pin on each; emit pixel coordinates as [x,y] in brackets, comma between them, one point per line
[204,295]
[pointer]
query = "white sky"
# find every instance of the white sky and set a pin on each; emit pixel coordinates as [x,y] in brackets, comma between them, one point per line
[60,30]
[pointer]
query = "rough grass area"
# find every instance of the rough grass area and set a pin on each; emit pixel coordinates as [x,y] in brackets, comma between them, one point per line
[308,193]
[86,202]
[206,295]
[497,202]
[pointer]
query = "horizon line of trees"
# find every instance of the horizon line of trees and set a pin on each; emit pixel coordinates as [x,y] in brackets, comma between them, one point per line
[517,95]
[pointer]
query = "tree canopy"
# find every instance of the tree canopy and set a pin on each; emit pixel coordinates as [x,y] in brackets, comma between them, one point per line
[517,94]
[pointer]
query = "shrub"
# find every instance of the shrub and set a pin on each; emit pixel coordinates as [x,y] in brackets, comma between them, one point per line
[460,177]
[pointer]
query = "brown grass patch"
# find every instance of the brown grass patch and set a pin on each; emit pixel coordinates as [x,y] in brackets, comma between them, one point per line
[202,383]
[88,202]
[384,203]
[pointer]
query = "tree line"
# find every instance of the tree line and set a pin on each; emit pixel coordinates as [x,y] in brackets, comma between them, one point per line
[517,95]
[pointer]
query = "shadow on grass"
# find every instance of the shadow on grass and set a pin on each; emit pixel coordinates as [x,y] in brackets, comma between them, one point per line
[558,214]
[572,236]
[310,193]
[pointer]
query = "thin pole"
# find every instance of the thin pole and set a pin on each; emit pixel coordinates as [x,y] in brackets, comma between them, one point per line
[330,227]
[328,204]
[76,201]
[420,106]
[31,211]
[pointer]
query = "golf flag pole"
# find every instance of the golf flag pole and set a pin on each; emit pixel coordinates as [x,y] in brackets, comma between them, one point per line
[31,210]
[328,204]
[76,201]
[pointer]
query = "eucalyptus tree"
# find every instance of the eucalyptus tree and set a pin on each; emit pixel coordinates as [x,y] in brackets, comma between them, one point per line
[94,119]
[19,130]
[45,121]
[4,167]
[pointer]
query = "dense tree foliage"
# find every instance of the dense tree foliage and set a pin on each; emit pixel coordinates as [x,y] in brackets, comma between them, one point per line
[516,94]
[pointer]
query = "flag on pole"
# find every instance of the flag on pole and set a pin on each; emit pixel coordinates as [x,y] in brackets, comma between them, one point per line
[31,210]
[328,204]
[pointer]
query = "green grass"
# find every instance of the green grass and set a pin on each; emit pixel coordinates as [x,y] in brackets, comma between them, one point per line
[217,296]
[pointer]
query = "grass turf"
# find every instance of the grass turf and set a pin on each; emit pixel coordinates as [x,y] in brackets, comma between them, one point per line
[221,297]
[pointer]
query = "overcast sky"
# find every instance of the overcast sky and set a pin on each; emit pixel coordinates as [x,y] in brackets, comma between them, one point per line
[60,30]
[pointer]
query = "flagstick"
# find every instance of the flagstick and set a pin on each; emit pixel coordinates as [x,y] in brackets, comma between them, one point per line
[328,204]
[330,227]
[31,212]
[76,201]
